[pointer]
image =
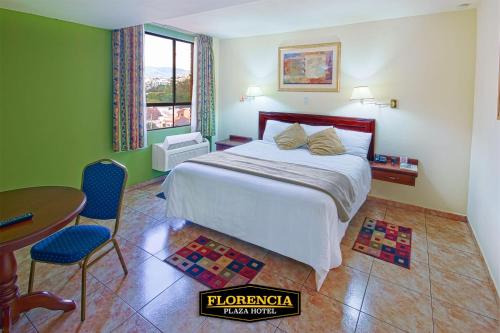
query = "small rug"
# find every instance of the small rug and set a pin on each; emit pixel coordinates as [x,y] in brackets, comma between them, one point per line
[161,195]
[214,264]
[385,241]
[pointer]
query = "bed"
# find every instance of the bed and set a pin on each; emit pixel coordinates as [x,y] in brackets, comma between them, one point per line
[296,221]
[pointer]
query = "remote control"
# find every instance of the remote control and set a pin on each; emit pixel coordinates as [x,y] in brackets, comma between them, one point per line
[16,219]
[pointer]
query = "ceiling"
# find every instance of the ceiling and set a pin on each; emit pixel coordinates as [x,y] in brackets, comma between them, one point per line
[231,18]
[113,14]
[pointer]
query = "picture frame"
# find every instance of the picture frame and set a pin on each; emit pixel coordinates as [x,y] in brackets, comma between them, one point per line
[309,68]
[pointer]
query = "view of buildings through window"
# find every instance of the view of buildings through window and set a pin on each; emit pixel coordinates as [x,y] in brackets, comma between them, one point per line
[168,81]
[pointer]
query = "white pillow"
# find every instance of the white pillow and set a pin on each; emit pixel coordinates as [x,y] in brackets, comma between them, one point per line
[313,129]
[355,143]
[273,128]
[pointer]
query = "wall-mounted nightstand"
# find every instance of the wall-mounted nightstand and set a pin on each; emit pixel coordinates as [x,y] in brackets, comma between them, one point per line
[233,141]
[393,173]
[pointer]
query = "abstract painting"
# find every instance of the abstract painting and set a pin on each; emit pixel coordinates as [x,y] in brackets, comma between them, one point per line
[309,67]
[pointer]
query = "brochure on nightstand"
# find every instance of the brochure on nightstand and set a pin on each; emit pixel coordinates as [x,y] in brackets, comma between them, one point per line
[407,166]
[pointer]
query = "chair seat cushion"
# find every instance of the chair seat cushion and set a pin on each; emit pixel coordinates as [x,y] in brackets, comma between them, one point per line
[71,244]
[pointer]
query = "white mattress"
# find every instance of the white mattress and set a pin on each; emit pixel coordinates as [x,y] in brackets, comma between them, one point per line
[295,221]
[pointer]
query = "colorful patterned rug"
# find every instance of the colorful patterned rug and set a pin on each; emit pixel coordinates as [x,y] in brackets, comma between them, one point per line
[385,241]
[214,264]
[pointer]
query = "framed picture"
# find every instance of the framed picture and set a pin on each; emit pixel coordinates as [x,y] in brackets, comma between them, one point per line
[313,67]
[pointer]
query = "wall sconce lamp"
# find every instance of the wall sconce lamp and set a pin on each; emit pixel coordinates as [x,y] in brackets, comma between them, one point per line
[252,92]
[364,96]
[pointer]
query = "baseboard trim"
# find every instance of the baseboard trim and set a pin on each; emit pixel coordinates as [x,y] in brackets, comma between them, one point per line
[145,183]
[435,212]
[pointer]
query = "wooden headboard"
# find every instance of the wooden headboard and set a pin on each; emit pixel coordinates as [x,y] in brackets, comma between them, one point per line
[348,123]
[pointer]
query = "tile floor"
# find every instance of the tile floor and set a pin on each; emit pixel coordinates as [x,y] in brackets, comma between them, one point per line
[447,290]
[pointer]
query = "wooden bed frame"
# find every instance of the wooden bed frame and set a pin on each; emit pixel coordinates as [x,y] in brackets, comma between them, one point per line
[348,123]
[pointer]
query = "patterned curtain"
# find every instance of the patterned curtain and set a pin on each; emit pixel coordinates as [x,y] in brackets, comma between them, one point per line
[205,91]
[128,89]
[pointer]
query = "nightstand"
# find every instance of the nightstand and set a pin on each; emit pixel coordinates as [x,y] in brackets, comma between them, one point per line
[233,141]
[393,173]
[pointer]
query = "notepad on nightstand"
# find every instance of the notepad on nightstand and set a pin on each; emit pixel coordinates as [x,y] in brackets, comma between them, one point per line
[410,167]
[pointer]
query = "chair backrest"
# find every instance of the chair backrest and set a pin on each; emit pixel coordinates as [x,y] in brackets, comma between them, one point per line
[103,182]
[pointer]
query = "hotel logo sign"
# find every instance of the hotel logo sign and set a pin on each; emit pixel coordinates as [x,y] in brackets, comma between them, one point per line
[249,303]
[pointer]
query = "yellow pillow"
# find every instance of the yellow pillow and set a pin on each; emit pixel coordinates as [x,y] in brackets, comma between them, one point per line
[325,142]
[292,137]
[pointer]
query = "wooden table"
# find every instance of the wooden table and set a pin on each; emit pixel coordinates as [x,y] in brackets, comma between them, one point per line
[52,207]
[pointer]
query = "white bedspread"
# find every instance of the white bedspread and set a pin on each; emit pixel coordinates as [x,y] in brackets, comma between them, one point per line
[295,221]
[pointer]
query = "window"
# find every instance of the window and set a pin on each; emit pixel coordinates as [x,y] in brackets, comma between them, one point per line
[168,81]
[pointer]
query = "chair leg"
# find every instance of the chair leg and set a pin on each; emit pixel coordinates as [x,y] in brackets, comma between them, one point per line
[84,291]
[119,252]
[32,277]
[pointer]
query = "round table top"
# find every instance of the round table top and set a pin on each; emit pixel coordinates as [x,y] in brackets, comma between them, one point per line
[52,207]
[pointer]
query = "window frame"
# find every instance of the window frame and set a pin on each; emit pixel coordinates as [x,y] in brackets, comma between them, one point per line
[174,70]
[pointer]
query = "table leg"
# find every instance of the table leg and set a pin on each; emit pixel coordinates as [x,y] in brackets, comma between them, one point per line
[8,289]
[12,305]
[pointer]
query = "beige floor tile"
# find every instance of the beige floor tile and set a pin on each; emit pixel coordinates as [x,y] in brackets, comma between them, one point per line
[109,267]
[368,324]
[159,237]
[357,220]
[64,281]
[152,189]
[347,242]
[23,325]
[356,259]
[286,267]
[150,205]
[352,232]
[144,282]
[447,237]
[419,254]
[471,294]
[214,325]
[406,218]
[170,249]
[398,306]
[321,314]
[105,311]
[133,223]
[448,259]
[276,281]
[132,198]
[344,284]
[176,309]
[441,222]
[168,300]
[416,278]
[373,209]
[419,240]
[449,318]
[188,231]
[136,324]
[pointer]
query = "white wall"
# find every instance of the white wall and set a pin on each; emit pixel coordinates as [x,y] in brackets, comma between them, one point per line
[484,184]
[426,62]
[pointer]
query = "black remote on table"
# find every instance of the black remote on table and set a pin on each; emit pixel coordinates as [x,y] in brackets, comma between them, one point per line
[16,219]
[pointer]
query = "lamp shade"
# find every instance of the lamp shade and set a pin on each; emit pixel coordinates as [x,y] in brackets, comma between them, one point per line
[361,93]
[254,91]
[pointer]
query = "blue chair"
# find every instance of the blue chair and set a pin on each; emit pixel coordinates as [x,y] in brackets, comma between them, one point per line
[103,182]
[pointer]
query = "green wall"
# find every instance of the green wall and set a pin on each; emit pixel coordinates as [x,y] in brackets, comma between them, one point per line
[55,103]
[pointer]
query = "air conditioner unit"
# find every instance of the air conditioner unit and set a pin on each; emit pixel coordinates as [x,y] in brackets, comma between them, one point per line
[177,149]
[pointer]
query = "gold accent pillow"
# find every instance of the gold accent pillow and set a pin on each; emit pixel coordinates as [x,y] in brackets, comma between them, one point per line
[292,137]
[325,142]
